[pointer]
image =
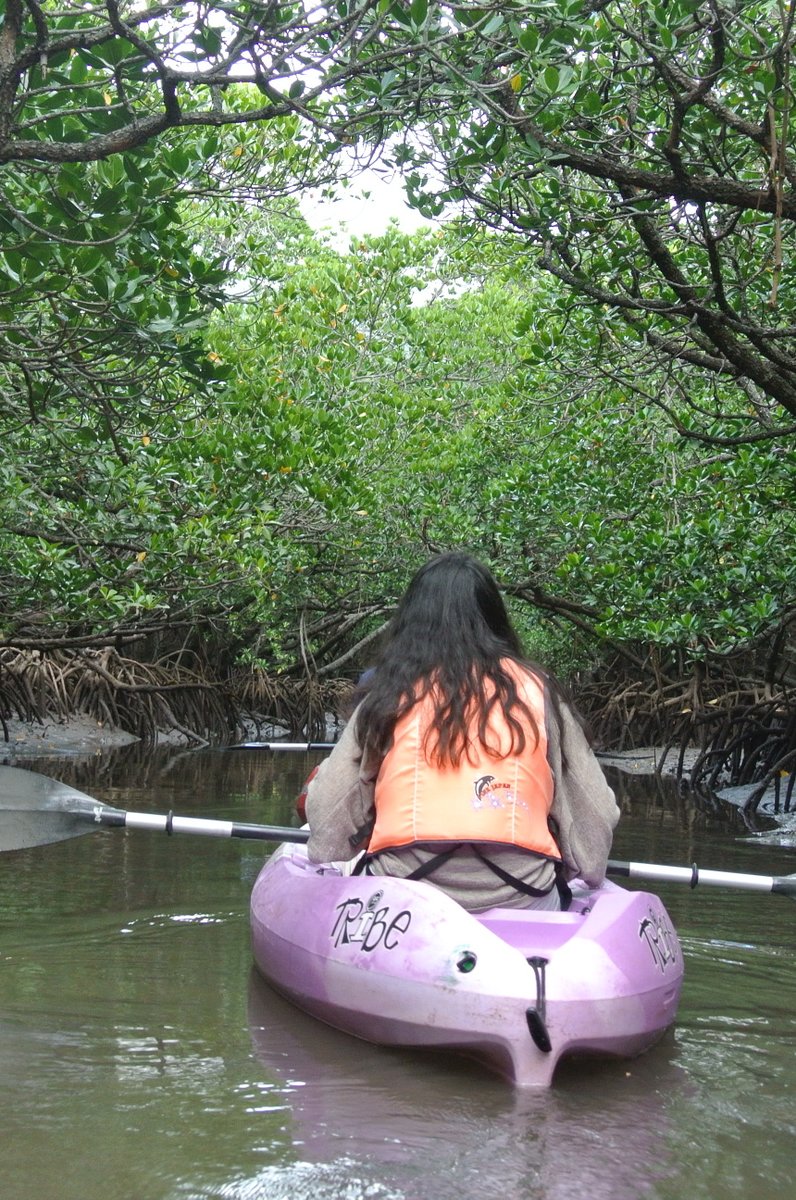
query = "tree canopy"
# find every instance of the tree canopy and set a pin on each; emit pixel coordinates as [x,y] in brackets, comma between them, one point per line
[212,420]
[640,151]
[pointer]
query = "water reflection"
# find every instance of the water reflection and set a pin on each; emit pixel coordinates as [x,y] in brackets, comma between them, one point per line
[196,778]
[665,803]
[447,1130]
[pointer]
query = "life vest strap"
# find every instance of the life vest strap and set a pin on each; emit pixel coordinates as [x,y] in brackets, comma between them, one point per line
[518,884]
[363,864]
[438,860]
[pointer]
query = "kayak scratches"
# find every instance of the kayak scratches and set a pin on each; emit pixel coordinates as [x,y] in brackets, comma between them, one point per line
[660,938]
[368,925]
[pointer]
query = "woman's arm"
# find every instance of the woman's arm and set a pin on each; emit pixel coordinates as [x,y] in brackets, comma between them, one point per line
[340,808]
[584,808]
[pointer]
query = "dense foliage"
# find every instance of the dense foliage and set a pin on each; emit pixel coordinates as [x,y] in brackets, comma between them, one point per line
[639,151]
[359,420]
[217,430]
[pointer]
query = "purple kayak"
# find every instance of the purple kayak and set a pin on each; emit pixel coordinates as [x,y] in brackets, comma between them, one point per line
[400,963]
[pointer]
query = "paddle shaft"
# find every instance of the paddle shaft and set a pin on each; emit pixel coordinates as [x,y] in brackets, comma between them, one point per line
[693,875]
[115,818]
[37,811]
[783,884]
[300,747]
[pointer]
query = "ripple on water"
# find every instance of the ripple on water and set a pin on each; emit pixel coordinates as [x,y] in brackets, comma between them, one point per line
[339,1180]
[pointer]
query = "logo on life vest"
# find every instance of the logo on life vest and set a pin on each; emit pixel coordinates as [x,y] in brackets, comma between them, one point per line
[487,793]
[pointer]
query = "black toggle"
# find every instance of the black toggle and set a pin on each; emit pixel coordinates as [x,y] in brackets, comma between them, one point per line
[535,1015]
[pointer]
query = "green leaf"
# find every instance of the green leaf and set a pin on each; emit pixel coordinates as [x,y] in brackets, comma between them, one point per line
[111,171]
[209,38]
[495,22]
[418,12]
[78,70]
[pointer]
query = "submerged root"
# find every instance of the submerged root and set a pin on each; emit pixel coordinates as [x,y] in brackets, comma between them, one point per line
[743,730]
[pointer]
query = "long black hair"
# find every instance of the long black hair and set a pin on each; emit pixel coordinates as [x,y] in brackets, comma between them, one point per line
[451,637]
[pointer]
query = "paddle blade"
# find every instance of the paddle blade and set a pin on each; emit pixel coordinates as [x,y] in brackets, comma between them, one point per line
[36,810]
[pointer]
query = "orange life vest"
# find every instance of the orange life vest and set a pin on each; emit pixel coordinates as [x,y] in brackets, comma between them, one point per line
[504,800]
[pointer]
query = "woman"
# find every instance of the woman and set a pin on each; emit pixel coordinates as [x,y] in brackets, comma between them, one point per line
[464,765]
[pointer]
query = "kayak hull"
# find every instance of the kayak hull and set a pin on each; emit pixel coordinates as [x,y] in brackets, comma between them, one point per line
[400,963]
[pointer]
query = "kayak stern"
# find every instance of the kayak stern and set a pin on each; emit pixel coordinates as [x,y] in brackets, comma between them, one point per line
[400,963]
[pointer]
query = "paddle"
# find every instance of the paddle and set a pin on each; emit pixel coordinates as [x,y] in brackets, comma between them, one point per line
[36,810]
[300,746]
[783,884]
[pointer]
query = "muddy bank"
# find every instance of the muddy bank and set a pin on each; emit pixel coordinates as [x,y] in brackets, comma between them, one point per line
[80,735]
[650,760]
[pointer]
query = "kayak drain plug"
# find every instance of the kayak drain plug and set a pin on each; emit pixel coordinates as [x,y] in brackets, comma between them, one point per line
[467,962]
[535,1015]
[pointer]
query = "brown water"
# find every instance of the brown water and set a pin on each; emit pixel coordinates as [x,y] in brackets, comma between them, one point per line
[140,1059]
